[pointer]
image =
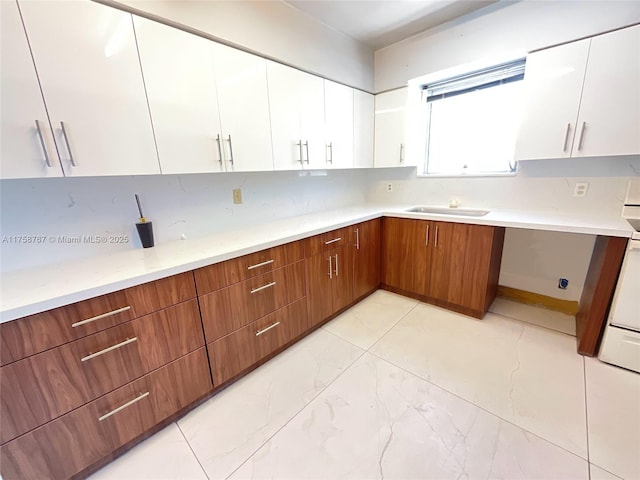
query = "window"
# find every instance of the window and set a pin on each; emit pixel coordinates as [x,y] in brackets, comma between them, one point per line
[472,121]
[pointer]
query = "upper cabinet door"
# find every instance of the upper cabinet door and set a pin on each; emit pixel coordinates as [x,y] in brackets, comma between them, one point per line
[180,80]
[362,129]
[27,148]
[553,83]
[86,57]
[390,121]
[609,120]
[338,101]
[241,81]
[296,101]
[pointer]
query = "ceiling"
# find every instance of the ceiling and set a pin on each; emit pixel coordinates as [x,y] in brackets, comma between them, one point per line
[378,23]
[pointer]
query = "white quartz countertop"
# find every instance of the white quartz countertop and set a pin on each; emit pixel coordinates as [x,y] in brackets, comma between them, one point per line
[35,290]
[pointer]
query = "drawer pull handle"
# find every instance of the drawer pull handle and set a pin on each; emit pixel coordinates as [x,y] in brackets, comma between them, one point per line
[268,285]
[260,332]
[333,241]
[258,265]
[107,350]
[98,317]
[123,406]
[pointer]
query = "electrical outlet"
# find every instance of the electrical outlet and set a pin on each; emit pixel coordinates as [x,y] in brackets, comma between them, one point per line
[389,187]
[580,190]
[237,195]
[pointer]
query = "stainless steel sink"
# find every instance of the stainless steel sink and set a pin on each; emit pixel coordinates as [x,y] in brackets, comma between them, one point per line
[462,212]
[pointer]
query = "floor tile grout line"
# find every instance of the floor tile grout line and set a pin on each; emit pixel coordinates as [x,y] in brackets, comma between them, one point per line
[299,411]
[192,451]
[532,324]
[393,326]
[586,412]
[430,382]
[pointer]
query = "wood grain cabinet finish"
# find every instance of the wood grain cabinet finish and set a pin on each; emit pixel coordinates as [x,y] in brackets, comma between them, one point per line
[406,261]
[235,353]
[42,387]
[365,241]
[39,332]
[233,307]
[220,275]
[66,446]
[326,241]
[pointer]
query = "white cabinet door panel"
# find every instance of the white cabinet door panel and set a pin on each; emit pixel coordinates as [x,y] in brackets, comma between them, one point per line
[610,108]
[87,62]
[241,81]
[362,129]
[22,154]
[180,80]
[312,120]
[389,128]
[339,124]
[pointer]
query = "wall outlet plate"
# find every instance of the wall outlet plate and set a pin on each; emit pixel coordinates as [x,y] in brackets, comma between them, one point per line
[580,190]
[237,196]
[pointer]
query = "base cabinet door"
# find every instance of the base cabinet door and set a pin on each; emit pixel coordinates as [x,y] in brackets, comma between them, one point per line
[319,273]
[366,257]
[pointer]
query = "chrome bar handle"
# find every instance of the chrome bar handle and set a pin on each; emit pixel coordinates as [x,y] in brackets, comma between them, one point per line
[110,349]
[45,150]
[273,325]
[299,145]
[219,149]
[98,317]
[268,285]
[330,150]
[401,152]
[336,264]
[426,241]
[258,265]
[435,242]
[357,239]
[333,241]
[68,144]
[230,150]
[584,126]
[123,406]
[330,267]
[566,137]
[306,146]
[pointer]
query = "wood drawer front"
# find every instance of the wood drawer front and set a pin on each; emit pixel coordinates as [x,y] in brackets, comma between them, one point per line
[42,331]
[231,308]
[326,241]
[214,277]
[42,387]
[235,353]
[79,439]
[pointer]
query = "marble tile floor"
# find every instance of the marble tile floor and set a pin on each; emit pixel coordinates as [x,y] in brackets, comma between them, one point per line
[398,389]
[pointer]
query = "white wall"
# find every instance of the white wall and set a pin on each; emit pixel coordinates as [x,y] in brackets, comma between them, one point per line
[193,205]
[273,29]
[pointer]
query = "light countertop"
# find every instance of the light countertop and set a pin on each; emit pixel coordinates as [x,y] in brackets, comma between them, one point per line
[35,290]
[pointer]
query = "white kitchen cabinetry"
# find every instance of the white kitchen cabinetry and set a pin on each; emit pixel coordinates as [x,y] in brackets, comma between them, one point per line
[296,101]
[362,129]
[180,79]
[241,82]
[390,123]
[27,149]
[338,101]
[87,62]
[583,99]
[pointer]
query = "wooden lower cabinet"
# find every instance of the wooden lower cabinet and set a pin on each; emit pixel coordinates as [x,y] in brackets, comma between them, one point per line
[75,441]
[366,257]
[405,261]
[235,353]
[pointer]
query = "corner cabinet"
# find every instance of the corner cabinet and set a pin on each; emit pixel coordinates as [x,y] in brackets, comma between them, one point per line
[366,257]
[363,127]
[453,265]
[390,128]
[594,88]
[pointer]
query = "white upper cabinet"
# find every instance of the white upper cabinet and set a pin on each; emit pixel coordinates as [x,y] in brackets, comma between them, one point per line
[583,99]
[27,148]
[362,129]
[609,118]
[296,100]
[87,62]
[241,82]
[181,87]
[390,123]
[338,110]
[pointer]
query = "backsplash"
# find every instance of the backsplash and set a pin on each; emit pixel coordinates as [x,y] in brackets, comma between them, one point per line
[62,210]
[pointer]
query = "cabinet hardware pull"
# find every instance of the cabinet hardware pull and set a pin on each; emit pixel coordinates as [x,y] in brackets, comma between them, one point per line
[306,146]
[299,145]
[333,241]
[219,149]
[566,137]
[435,242]
[357,239]
[584,125]
[123,406]
[268,285]
[106,350]
[101,316]
[330,150]
[230,150]
[401,152]
[273,325]
[330,267]
[336,264]
[68,144]
[258,265]
[426,241]
[47,159]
